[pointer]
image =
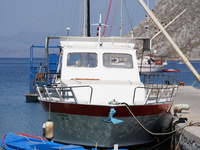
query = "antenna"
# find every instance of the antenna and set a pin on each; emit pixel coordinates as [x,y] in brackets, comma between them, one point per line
[99,28]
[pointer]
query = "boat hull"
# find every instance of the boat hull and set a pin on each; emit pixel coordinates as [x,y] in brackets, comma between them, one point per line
[151,68]
[89,125]
[171,70]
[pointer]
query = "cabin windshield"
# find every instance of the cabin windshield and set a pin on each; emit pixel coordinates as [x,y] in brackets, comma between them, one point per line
[88,60]
[117,60]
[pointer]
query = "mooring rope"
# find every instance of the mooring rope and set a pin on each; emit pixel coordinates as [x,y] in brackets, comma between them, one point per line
[153,133]
[187,124]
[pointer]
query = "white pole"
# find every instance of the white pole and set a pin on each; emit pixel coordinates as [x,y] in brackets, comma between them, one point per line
[192,69]
[168,24]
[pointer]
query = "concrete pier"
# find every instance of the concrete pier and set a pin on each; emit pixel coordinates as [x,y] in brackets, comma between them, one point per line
[189,137]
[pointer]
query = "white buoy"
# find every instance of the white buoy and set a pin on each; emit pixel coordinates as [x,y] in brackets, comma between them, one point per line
[116,146]
[49,129]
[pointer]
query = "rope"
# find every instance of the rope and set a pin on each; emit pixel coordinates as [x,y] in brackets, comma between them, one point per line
[179,140]
[153,133]
[160,142]
[113,18]
[128,15]
[3,138]
[187,124]
[49,110]
[43,142]
[107,15]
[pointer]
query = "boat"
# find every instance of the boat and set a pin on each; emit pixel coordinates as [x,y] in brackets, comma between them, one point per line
[171,70]
[11,141]
[150,63]
[94,94]
[181,62]
[19,141]
[97,97]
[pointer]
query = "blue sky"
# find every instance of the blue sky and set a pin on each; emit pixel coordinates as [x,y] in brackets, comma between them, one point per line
[51,16]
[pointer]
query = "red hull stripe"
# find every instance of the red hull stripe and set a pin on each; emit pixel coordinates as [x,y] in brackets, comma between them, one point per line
[97,110]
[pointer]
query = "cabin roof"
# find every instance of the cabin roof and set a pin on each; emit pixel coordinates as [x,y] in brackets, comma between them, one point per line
[96,42]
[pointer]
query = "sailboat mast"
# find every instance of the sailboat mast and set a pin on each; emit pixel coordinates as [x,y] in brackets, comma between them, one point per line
[147,21]
[121,25]
[189,65]
[86,18]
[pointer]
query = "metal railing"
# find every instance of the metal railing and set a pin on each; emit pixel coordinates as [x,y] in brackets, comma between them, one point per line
[158,88]
[60,93]
[158,95]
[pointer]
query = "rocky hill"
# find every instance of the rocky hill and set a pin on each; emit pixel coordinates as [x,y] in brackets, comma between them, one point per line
[185,30]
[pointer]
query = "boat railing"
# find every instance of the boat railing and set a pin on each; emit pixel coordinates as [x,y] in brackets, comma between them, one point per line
[158,94]
[62,94]
[158,88]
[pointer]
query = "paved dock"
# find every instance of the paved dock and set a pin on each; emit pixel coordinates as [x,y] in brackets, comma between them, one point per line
[189,137]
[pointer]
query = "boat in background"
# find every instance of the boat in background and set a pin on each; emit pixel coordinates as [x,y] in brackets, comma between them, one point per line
[171,70]
[150,63]
[181,62]
[37,66]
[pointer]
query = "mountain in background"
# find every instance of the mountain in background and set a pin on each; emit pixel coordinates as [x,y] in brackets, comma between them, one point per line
[185,30]
[18,46]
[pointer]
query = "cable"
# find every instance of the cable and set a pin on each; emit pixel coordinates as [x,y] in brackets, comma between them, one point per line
[113,18]
[128,15]
[107,15]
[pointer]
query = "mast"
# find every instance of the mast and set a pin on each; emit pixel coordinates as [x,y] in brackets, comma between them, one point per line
[84,17]
[121,26]
[189,65]
[147,21]
[88,17]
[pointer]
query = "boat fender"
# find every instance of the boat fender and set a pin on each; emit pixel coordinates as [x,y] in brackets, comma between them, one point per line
[49,130]
[179,107]
[165,122]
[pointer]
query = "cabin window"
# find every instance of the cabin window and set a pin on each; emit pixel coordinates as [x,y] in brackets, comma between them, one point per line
[88,60]
[117,60]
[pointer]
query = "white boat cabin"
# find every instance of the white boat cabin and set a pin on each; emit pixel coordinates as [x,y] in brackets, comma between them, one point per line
[101,71]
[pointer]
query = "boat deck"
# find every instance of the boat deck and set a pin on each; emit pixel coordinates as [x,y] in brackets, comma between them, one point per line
[189,137]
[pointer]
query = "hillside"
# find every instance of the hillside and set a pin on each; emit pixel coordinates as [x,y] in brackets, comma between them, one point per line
[18,45]
[185,30]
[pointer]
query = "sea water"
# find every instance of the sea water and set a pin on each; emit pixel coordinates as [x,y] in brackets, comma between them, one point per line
[18,116]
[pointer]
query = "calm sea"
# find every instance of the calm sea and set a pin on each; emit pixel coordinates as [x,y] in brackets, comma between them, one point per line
[17,116]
